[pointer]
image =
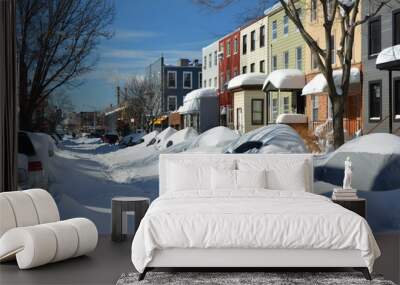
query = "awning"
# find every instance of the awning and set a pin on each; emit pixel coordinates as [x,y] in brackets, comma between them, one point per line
[389,58]
[285,80]
[318,84]
[249,80]
[159,120]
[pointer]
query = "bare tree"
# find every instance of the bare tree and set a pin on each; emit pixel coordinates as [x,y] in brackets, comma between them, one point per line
[56,40]
[347,13]
[144,104]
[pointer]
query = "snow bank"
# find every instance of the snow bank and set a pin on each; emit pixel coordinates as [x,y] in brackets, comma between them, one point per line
[291,119]
[191,103]
[285,79]
[281,136]
[376,163]
[389,54]
[318,84]
[214,138]
[249,79]
[187,134]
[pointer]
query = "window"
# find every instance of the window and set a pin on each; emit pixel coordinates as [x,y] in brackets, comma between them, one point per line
[274,63]
[205,83]
[215,82]
[209,82]
[274,108]
[396,27]
[274,31]
[228,75]
[333,50]
[236,46]
[215,58]
[285,25]
[244,69]
[205,62]
[171,76]
[314,60]
[262,66]
[172,104]
[209,60]
[221,81]
[315,107]
[262,36]
[187,80]
[200,78]
[375,101]
[252,67]
[252,40]
[286,60]
[285,105]
[244,40]
[374,36]
[313,13]
[397,99]
[299,58]
[257,111]
[228,48]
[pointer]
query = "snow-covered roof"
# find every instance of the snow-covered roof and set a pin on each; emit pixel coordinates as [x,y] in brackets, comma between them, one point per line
[272,9]
[389,58]
[115,110]
[191,103]
[285,79]
[250,79]
[291,119]
[318,84]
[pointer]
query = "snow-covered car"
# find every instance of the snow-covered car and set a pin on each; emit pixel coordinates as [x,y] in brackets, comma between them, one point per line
[110,138]
[37,148]
[131,140]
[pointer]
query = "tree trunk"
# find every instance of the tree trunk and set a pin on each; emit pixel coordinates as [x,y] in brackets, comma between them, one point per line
[338,114]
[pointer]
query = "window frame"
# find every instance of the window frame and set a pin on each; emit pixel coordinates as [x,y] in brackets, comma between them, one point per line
[394,14]
[235,45]
[176,79]
[274,30]
[205,62]
[191,79]
[252,67]
[253,122]
[228,48]
[301,58]
[200,78]
[285,25]
[262,36]
[286,64]
[315,108]
[372,20]
[176,102]
[244,44]
[210,60]
[215,58]
[369,101]
[262,66]
[274,59]
[253,40]
[284,105]
[244,69]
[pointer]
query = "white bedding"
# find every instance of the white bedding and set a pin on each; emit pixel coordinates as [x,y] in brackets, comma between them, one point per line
[250,219]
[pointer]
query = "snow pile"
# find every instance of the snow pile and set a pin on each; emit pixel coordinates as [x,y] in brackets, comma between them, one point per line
[249,79]
[213,139]
[191,103]
[319,84]
[282,137]
[285,79]
[390,54]
[291,119]
[376,163]
[147,138]
[187,134]
[161,137]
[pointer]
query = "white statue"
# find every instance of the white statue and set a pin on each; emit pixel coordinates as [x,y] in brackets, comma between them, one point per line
[347,174]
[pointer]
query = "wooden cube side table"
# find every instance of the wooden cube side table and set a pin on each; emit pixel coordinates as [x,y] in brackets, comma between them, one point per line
[358,206]
[139,205]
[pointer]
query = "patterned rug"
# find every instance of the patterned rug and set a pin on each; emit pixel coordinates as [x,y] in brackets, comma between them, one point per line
[243,278]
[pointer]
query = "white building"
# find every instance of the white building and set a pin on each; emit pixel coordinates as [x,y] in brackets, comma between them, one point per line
[210,66]
[254,47]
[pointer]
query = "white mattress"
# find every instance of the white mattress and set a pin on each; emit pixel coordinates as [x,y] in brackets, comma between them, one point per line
[253,219]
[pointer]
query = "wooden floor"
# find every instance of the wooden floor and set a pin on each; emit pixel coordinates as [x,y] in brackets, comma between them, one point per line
[111,259]
[103,266]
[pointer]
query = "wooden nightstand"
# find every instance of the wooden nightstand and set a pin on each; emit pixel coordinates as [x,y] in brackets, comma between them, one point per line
[358,206]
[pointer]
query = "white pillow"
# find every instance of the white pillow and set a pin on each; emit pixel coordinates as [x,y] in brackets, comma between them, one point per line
[223,179]
[251,178]
[292,180]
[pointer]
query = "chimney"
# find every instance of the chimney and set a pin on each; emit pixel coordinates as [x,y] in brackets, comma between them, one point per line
[183,62]
[118,95]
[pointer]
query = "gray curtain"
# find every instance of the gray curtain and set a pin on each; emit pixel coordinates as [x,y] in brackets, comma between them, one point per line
[8,97]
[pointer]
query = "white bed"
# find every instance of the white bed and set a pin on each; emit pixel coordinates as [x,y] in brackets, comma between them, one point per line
[202,226]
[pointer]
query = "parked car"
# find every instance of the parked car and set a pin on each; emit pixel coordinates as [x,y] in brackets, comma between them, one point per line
[36,149]
[110,138]
[131,140]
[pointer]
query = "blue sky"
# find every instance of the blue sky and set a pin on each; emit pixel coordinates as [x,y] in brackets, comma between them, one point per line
[143,30]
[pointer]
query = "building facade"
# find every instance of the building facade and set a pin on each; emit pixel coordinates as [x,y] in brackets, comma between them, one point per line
[379,33]
[210,66]
[229,67]
[286,51]
[254,47]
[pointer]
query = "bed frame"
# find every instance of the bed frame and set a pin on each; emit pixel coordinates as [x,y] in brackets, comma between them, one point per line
[236,259]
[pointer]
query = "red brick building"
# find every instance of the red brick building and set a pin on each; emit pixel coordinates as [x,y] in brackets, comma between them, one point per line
[229,67]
